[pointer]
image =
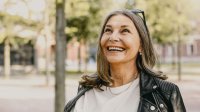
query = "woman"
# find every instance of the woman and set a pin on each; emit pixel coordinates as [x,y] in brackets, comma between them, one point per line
[125,81]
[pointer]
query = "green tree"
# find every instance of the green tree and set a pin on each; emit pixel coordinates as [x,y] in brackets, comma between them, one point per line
[11,27]
[48,28]
[165,19]
[85,21]
[85,14]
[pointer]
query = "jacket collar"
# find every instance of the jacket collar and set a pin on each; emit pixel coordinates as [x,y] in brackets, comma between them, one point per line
[147,83]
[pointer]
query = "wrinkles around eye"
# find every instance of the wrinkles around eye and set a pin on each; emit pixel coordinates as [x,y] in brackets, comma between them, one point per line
[107,30]
[125,30]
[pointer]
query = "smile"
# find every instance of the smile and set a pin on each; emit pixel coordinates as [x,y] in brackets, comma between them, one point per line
[115,48]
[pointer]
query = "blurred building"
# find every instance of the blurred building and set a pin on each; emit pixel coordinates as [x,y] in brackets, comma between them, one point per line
[75,52]
[24,55]
[190,50]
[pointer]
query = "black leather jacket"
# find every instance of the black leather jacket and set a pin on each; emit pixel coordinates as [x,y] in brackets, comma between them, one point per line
[156,95]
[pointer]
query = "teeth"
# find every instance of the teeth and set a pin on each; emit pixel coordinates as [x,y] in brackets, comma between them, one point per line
[115,49]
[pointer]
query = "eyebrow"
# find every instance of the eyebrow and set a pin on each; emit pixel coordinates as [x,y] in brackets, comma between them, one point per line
[108,26]
[123,26]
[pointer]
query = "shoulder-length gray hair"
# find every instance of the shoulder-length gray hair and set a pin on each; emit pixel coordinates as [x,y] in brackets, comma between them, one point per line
[144,62]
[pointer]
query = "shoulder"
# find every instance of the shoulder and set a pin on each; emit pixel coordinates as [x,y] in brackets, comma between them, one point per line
[171,92]
[81,92]
[166,86]
[165,91]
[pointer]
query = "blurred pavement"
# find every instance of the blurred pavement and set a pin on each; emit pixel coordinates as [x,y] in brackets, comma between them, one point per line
[30,94]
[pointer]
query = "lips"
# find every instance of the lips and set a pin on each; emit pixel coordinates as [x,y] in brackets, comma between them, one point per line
[115,48]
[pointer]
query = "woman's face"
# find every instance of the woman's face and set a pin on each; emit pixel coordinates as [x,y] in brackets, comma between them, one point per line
[120,40]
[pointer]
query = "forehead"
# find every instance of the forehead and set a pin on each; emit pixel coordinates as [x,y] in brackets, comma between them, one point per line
[120,20]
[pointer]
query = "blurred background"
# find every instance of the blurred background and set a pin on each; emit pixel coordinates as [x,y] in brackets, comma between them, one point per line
[28,47]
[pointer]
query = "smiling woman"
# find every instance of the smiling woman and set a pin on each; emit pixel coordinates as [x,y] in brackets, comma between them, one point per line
[120,41]
[125,80]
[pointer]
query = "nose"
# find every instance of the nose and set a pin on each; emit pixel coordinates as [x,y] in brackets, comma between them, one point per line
[114,36]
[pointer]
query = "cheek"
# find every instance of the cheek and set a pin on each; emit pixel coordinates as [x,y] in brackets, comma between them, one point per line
[102,46]
[102,41]
[134,44]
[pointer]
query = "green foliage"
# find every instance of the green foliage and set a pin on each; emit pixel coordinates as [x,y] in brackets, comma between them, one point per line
[2,37]
[166,18]
[78,27]
[14,19]
[10,22]
[76,8]
[84,17]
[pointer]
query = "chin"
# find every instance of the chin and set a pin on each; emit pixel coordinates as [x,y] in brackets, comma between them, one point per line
[114,60]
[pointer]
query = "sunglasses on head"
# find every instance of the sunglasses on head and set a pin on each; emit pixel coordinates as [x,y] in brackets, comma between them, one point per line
[140,13]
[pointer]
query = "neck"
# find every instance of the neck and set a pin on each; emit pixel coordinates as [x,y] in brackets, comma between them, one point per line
[123,73]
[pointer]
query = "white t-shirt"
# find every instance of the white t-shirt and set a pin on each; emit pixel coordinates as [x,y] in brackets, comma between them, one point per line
[124,98]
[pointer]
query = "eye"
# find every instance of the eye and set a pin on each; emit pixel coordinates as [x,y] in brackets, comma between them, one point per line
[107,30]
[125,31]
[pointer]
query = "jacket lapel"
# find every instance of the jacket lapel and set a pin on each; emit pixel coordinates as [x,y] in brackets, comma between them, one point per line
[147,86]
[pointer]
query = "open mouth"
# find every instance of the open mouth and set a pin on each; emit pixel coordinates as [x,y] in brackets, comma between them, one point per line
[115,49]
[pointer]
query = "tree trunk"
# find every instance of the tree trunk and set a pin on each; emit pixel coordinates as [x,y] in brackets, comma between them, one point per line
[7,59]
[47,46]
[173,57]
[86,58]
[179,55]
[36,60]
[60,57]
[47,56]
[79,58]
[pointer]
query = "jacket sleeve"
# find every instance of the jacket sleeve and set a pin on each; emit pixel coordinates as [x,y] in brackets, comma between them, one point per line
[177,101]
